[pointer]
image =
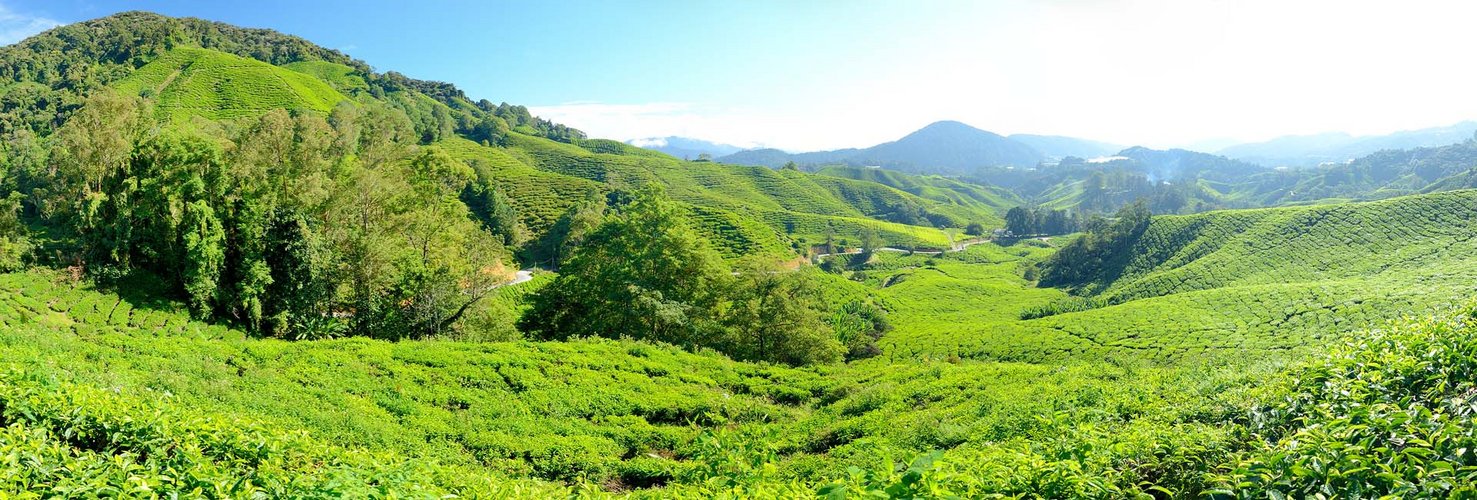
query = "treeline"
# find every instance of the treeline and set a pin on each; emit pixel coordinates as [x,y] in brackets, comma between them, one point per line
[1027,221]
[1088,257]
[645,273]
[293,226]
[1107,190]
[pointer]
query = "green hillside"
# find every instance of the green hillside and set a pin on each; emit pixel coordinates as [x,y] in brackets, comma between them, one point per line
[187,82]
[237,264]
[1422,239]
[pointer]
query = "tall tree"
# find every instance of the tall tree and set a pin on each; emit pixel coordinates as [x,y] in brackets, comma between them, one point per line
[780,316]
[1018,221]
[644,273]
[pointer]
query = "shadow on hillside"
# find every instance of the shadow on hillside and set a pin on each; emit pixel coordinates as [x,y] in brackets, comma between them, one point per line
[142,290]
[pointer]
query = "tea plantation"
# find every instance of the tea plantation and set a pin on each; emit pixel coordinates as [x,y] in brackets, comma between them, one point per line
[1148,395]
[258,268]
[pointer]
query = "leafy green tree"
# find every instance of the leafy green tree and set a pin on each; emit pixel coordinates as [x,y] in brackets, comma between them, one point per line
[1093,254]
[492,131]
[869,241]
[203,242]
[780,316]
[974,229]
[1018,221]
[14,244]
[90,160]
[570,231]
[643,273]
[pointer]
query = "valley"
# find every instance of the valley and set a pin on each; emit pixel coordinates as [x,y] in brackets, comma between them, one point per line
[234,263]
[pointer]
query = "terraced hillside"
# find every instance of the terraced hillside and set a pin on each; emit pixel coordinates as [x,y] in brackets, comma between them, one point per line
[794,203]
[1419,239]
[187,82]
[603,417]
[1242,283]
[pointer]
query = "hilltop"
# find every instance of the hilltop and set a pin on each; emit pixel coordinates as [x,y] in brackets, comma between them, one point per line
[945,147]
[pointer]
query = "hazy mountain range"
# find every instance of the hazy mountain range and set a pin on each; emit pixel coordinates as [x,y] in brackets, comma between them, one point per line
[1312,150]
[954,148]
[683,147]
[945,147]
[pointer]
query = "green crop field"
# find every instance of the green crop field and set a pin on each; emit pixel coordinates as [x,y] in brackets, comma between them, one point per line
[201,82]
[294,282]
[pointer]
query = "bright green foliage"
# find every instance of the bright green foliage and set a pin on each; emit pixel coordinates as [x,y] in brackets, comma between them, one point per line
[588,409]
[1089,257]
[68,440]
[781,316]
[204,254]
[187,82]
[1387,414]
[294,193]
[643,273]
[978,197]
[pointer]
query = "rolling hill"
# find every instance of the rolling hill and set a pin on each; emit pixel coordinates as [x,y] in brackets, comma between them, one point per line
[1253,353]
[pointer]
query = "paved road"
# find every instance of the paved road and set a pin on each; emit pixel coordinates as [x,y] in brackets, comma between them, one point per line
[955,248]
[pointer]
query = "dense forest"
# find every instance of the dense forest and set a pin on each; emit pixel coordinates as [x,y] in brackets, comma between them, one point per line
[236,264]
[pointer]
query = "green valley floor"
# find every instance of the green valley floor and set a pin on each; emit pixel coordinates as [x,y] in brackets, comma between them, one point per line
[1197,370]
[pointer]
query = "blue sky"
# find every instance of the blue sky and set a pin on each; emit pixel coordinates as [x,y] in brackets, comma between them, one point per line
[822,74]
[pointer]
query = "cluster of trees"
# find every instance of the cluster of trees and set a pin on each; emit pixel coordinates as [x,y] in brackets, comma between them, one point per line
[290,225]
[1104,191]
[645,273]
[1104,246]
[1027,221]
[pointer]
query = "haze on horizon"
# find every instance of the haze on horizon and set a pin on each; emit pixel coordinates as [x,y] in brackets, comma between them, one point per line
[824,75]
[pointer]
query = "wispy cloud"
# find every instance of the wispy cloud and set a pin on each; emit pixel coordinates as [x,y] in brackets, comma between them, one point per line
[645,120]
[740,127]
[15,26]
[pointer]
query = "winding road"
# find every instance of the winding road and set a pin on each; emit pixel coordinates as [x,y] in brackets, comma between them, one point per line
[954,248]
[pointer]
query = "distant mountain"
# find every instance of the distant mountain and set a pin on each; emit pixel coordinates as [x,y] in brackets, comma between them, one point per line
[1058,147]
[684,147]
[1312,150]
[774,158]
[946,147]
[1388,173]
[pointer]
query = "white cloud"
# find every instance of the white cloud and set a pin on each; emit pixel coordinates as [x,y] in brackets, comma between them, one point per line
[649,142]
[15,27]
[626,122]
[1153,72]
